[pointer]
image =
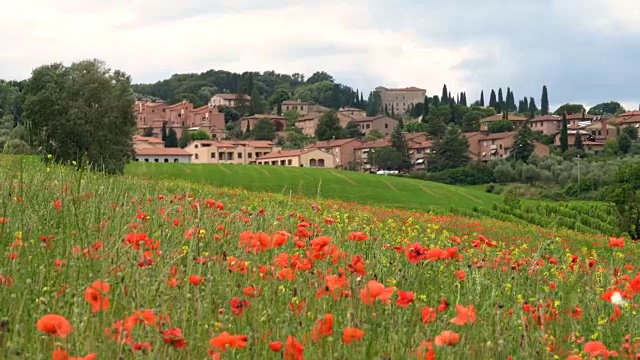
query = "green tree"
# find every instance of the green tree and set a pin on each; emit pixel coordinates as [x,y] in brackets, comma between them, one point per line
[6,126]
[544,102]
[445,95]
[353,130]
[148,132]
[436,128]
[631,131]
[192,98]
[329,126]
[452,151]
[416,110]
[172,139]
[386,158]
[278,97]
[399,143]
[265,129]
[199,135]
[500,126]
[471,122]
[185,138]
[624,143]
[374,104]
[425,109]
[532,106]
[569,109]
[374,134]
[482,98]
[577,142]
[501,104]
[415,127]
[292,116]
[84,111]
[319,76]
[164,131]
[230,114]
[523,145]
[279,109]
[611,107]
[564,134]
[493,101]
[622,193]
[255,104]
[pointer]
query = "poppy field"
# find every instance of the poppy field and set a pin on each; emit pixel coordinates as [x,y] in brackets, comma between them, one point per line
[97,267]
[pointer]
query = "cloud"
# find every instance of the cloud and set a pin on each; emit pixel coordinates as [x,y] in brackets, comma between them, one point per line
[151,42]
[583,51]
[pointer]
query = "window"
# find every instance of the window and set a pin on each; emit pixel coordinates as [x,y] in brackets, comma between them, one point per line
[313,162]
[146,160]
[283,162]
[156,160]
[239,155]
[195,146]
[386,126]
[289,162]
[213,155]
[137,159]
[249,155]
[500,146]
[229,156]
[166,160]
[321,163]
[176,160]
[274,162]
[368,126]
[196,155]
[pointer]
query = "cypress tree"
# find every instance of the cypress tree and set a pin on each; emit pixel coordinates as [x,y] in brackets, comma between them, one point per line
[451,100]
[525,103]
[532,105]
[523,145]
[492,100]
[544,102]
[577,143]
[425,109]
[457,98]
[164,131]
[521,109]
[445,95]
[482,98]
[564,134]
[500,101]
[436,100]
[248,129]
[463,101]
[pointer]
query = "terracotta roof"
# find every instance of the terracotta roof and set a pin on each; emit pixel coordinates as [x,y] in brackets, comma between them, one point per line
[231,96]
[375,144]
[180,104]
[162,152]
[498,136]
[332,143]
[630,113]
[204,108]
[547,118]
[371,118]
[148,139]
[310,116]
[578,116]
[593,143]
[631,120]
[498,117]
[264,116]
[296,102]
[410,88]
[232,143]
[349,109]
[286,153]
[421,145]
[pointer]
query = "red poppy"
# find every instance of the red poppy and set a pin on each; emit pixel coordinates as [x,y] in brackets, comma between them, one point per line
[55,325]
[61,354]
[95,295]
[350,335]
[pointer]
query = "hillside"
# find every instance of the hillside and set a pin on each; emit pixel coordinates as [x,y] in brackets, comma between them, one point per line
[379,190]
[390,192]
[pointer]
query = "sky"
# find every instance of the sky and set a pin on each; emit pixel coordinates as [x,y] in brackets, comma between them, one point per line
[585,51]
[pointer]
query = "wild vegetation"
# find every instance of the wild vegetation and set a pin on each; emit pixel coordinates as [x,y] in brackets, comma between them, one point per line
[115,267]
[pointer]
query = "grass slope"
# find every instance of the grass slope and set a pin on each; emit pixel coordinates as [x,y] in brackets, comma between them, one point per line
[387,191]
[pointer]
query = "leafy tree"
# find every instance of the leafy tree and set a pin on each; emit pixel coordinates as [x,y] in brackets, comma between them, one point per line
[386,158]
[523,145]
[6,126]
[278,97]
[329,127]
[17,147]
[291,116]
[279,109]
[255,104]
[374,134]
[624,143]
[416,110]
[570,109]
[294,138]
[84,111]
[353,130]
[415,127]
[172,139]
[319,76]
[471,122]
[230,114]
[482,98]
[436,128]
[148,132]
[374,104]
[611,107]
[265,129]
[631,131]
[500,126]
[450,152]
[399,143]
[577,142]
[199,135]
[544,102]
[192,98]
[622,193]
[564,134]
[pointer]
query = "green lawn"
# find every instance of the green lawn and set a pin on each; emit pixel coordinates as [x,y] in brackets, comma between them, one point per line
[363,188]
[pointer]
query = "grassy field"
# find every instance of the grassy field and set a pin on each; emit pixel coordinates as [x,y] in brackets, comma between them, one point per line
[380,190]
[126,268]
[386,191]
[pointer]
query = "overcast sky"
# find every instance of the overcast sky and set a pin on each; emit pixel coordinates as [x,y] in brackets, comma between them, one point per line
[585,51]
